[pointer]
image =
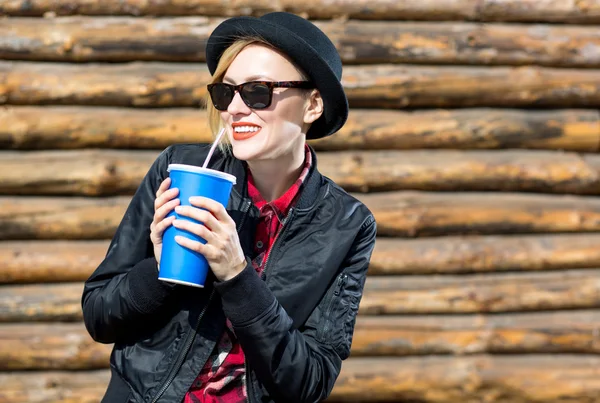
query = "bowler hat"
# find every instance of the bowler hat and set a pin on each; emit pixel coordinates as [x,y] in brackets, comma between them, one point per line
[306,45]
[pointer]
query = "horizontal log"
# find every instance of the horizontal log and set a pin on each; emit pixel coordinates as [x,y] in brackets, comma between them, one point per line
[133,84]
[41,346]
[60,218]
[585,11]
[53,386]
[370,86]
[49,261]
[500,170]
[38,346]
[476,128]
[120,39]
[405,214]
[65,261]
[506,292]
[107,173]
[557,11]
[517,379]
[484,254]
[547,332]
[512,379]
[64,127]
[498,292]
[84,172]
[41,303]
[412,213]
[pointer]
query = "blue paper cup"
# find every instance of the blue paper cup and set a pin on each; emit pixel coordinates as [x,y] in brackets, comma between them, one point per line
[178,264]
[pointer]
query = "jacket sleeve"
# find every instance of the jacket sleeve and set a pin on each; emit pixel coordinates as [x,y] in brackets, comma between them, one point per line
[299,365]
[124,290]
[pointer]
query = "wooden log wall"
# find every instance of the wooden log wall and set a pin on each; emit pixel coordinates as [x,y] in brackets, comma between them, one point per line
[473,137]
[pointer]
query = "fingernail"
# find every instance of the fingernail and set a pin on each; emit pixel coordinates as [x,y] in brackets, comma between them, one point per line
[195,199]
[178,209]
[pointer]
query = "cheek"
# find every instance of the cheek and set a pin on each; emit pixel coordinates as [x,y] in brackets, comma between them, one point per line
[286,114]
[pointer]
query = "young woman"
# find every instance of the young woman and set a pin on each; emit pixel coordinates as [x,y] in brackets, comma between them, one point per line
[288,256]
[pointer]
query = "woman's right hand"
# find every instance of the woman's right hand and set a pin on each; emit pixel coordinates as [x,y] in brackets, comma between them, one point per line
[164,203]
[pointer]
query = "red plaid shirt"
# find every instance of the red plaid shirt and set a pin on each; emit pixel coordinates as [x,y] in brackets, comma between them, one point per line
[223,378]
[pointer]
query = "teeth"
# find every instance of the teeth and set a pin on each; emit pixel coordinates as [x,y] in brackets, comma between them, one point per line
[245,129]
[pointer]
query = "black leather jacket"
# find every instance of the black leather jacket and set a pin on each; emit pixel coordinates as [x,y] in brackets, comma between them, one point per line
[295,324]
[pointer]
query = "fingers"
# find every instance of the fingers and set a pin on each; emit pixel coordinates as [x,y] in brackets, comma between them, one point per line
[216,208]
[196,229]
[157,230]
[163,186]
[164,194]
[204,216]
[165,209]
[163,205]
[206,250]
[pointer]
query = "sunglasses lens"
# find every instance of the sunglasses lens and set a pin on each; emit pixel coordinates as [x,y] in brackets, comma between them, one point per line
[221,95]
[256,95]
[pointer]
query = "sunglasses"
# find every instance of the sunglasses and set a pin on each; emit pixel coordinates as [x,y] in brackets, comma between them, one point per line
[255,94]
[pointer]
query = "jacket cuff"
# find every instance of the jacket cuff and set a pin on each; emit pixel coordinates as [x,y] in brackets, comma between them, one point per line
[244,297]
[147,292]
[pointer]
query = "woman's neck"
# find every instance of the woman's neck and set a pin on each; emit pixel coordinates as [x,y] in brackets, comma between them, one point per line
[273,178]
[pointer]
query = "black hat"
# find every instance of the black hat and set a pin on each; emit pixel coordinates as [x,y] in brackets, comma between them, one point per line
[306,45]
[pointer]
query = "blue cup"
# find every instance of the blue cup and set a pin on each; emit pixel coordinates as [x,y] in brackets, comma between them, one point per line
[178,264]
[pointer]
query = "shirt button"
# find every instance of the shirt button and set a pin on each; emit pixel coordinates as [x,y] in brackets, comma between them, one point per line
[259,244]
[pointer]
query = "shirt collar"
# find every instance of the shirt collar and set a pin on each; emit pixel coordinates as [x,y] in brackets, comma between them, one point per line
[282,205]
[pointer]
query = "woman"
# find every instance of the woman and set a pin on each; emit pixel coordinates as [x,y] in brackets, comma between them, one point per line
[288,256]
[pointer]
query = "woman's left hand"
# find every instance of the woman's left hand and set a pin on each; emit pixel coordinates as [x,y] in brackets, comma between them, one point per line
[222,249]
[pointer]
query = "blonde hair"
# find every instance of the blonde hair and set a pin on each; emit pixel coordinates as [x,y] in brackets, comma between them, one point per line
[214,116]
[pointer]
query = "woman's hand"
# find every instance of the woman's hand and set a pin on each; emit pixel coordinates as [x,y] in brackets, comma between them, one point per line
[222,249]
[163,204]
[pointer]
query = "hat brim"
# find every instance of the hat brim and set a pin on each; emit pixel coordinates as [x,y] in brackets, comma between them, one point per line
[335,103]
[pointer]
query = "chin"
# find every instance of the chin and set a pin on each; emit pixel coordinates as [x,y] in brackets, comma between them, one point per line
[245,153]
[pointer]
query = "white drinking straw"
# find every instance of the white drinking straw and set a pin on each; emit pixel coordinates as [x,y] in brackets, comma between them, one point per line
[212,148]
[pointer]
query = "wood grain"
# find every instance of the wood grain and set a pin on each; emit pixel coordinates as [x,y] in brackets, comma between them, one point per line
[49,261]
[108,173]
[60,218]
[398,214]
[516,379]
[119,39]
[498,292]
[512,379]
[155,84]
[41,303]
[64,127]
[67,261]
[515,333]
[556,11]
[418,214]
[47,346]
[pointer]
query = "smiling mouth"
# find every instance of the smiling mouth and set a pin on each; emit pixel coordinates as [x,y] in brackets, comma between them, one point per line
[243,132]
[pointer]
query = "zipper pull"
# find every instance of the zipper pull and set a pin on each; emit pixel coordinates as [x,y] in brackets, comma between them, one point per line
[340,284]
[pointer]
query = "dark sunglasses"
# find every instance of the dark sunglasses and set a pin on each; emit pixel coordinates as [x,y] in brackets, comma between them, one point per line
[255,94]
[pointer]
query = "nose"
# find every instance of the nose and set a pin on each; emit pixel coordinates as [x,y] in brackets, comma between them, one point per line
[237,106]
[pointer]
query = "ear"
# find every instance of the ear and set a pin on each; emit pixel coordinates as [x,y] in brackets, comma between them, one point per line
[313,107]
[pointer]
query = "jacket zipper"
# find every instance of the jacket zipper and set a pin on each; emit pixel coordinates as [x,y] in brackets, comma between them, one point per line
[182,354]
[247,379]
[192,335]
[341,281]
[281,231]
